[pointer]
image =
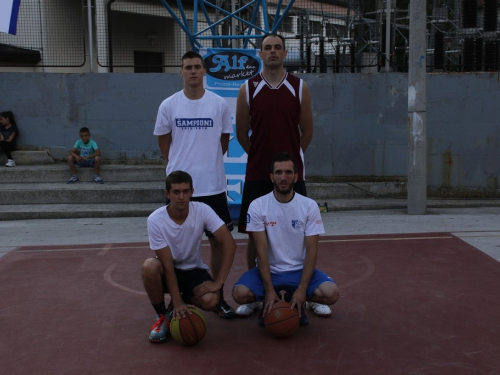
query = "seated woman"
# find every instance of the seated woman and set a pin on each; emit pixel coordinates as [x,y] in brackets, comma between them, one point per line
[8,135]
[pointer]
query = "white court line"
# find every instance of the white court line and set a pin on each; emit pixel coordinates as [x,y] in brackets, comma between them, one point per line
[81,249]
[388,239]
[107,277]
[105,249]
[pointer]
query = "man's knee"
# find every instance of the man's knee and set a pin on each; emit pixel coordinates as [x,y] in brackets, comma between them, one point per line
[151,268]
[328,293]
[209,301]
[241,294]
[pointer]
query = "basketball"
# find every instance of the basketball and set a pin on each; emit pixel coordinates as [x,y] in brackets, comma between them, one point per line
[282,321]
[190,329]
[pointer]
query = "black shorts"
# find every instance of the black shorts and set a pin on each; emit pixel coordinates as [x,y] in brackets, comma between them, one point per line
[188,280]
[218,203]
[256,189]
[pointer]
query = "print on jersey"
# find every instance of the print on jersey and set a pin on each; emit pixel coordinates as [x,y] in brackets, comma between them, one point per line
[194,123]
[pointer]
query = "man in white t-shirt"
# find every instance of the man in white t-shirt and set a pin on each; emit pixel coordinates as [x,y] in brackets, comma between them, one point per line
[193,128]
[175,234]
[285,227]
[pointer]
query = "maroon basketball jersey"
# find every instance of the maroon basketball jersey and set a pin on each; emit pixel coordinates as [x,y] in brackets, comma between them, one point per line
[274,121]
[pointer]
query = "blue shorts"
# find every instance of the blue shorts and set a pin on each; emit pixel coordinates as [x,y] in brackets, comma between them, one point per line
[287,281]
[86,163]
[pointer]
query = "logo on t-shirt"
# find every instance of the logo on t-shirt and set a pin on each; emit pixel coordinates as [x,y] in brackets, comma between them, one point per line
[297,224]
[194,123]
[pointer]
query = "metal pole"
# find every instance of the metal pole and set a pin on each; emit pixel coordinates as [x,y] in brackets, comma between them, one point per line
[387,35]
[91,45]
[417,110]
[235,43]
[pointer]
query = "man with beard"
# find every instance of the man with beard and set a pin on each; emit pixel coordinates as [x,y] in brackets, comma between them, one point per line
[285,227]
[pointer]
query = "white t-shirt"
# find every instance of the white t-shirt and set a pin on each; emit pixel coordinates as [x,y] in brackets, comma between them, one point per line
[196,127]
[184,241]
[286,226]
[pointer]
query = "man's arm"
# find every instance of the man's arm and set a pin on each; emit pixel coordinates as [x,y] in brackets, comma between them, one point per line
[260,241]
[306,118]
[224,142]
[76,154]
[243,119]
[96,153]
[223,236]
[167,261]
[164,141]
[299,296]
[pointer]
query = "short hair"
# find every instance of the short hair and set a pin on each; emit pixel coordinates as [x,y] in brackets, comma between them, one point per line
[277,35]
[192,55]
[84,130]
[283,156]
[178,177]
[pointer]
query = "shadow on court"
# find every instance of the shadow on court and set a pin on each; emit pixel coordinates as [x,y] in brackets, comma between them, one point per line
[410,304]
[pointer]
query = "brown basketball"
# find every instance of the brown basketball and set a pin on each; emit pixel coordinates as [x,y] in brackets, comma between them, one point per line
[282,321]
[190,329]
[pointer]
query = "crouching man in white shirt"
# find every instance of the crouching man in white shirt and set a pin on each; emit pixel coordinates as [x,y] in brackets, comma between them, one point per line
[285,227]
[175,234]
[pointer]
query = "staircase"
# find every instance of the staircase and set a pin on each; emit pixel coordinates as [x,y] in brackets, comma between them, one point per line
[41,192]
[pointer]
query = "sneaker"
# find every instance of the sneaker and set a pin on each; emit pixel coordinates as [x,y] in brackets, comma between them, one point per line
[248,309]
[303,317]
[224,310]
[260,319]
[170,311]
[159,330]
[318,309]
[72,179]
[98,179]
[10,163]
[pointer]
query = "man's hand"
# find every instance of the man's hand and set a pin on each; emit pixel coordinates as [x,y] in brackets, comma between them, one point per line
[180,310]
[270,299]
[206,287]
[298,299]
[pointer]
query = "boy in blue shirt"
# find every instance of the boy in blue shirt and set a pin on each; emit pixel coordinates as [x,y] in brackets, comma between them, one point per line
[84,153]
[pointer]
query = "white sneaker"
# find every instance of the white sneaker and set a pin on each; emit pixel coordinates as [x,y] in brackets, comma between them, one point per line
[248,309]
[10,163]
[318,309]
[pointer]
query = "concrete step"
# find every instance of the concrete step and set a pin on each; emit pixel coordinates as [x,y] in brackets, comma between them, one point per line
[59,173]
[82,193]
[29,157]
[72,211]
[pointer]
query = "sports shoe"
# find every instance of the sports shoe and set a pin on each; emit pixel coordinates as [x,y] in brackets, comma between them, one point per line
[72,179]
[249,308]
[170,311]
[304,320]
[224,310]
[260,319]
[10,163]
[159,330]
[98,179]
[319,309]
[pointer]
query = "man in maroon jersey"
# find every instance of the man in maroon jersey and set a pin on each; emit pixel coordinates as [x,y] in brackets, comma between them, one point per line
[276,107]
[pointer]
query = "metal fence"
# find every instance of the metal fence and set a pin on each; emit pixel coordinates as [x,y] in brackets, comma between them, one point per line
[49,34]
[322,35]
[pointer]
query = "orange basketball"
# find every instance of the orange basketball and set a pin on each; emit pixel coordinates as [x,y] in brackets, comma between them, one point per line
[190,329]
[282,321]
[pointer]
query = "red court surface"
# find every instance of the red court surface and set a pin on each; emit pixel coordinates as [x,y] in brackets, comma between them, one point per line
[410,304]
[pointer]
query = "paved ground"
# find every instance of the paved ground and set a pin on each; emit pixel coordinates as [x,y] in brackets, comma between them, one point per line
[479,226]
[415,299]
